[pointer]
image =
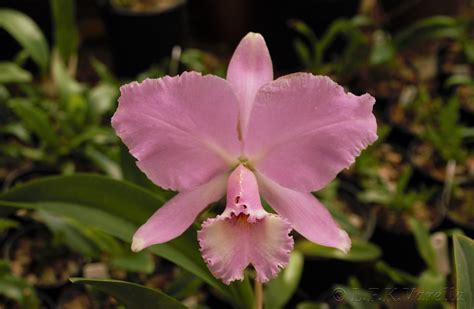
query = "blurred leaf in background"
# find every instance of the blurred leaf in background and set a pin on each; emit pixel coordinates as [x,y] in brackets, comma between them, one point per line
[27,33]
[463,263]
[361,251]
[16,288]
[66,35]
[10,72]
[279,291]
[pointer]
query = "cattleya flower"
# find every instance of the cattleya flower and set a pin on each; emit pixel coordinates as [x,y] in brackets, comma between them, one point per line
[251,136]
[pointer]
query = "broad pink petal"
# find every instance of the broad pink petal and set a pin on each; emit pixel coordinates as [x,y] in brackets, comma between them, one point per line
[305,213]
[230,244]
[304,129]
[182,130]
[178,214]
[243,196]
[249,69]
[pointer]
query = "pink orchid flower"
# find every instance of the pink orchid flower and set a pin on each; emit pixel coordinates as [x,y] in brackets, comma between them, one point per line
[248,135]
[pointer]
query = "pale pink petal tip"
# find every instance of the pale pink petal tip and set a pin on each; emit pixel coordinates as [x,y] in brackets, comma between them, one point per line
[138,244]
[346,244]
[229,245]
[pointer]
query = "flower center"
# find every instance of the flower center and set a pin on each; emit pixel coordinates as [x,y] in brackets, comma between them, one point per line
[243,160]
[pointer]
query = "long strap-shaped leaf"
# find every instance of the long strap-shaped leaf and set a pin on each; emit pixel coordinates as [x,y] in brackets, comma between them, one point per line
[464,264]
[132,295]
[117,208]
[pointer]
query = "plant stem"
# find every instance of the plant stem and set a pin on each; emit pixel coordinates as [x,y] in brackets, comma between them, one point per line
[258,295]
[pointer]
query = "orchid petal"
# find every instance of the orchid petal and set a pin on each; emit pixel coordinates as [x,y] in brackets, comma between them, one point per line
[305,213]
[304,129]
[230,244]
[169,124]
[178,214]
[249,69]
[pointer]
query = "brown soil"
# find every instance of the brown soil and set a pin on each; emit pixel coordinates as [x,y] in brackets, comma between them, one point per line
[405,119]
[461,208]
[398,222]
[353,215]
[390,163]
[412,119]
[34,257]
[425,157]
[384,82]
[466,95]
[145,5]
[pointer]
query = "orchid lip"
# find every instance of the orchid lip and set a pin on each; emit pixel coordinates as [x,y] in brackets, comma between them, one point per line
[245,234]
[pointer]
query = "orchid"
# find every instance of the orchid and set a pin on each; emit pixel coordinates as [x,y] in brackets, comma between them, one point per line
[247,136]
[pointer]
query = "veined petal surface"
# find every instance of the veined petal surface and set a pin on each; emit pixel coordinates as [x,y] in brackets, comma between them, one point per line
[305,129]
[182,129]
[230,244]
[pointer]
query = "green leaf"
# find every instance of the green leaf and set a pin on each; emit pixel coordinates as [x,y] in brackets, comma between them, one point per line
[184,285]
[432,285]
[65,84]
[107,165]
[305,30]
[35,119]
[132,295]
[17,288]
[103,71]
[382,50]
[66,36]
[279,291]
[431,28]
[10,72]
[464,269]
[423,243]
[396,275]
[311,305]
[360,251]
[6,224]
[116,208]
[459,79]
[303,52]
[18,130]
[134,262]
[27,33]
[103,98]
[68,235]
